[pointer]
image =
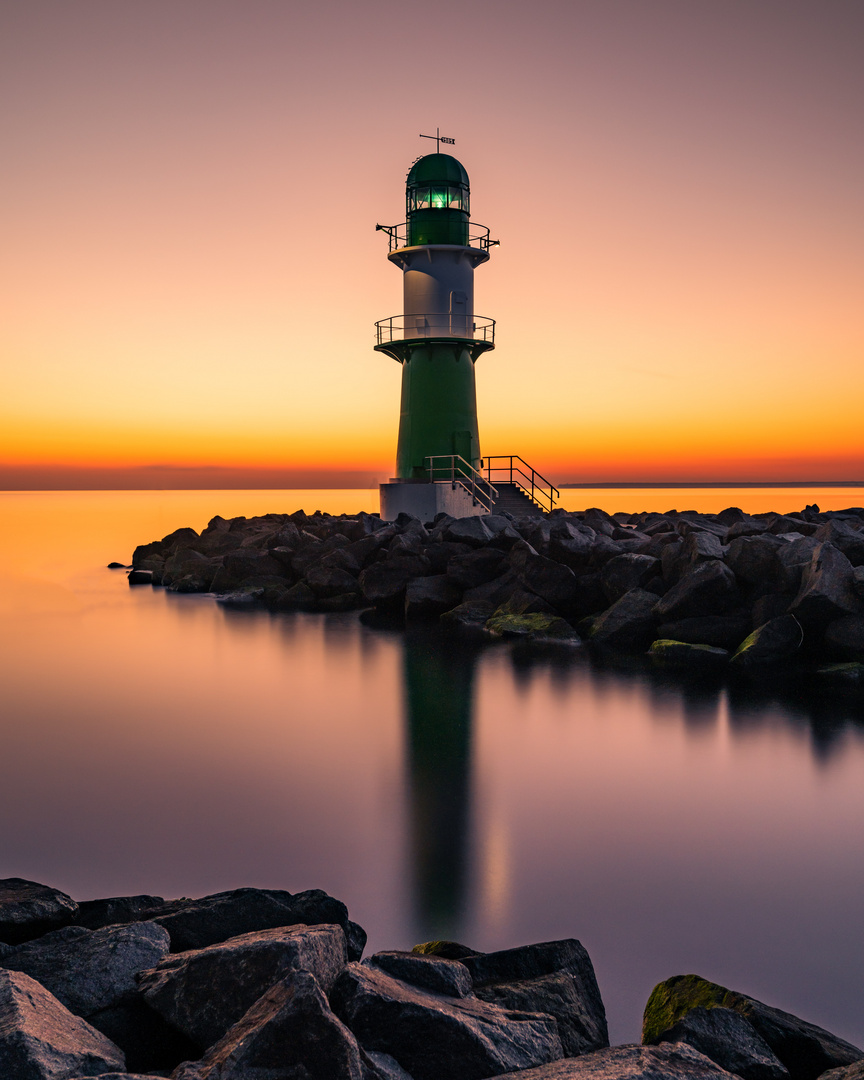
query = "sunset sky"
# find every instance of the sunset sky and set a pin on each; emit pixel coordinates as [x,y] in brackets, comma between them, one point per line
[190,272]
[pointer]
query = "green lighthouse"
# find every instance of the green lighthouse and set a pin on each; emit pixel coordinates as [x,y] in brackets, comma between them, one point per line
[437,340]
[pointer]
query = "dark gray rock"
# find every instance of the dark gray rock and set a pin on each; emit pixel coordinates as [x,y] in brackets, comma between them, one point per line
[748,527]
[785,523]
[669,1061]
[767,607]
[238,569]
[116,1076]
[114,910]
[709,588]
[848,1072]
[777,642]
[289,1033]
[858,582]
[630,623]
[328,581]
[150,1043]
[753,559]
[804,1049]
[845,637]
[826,591]
[469,530]
[700,545]
[476,567]
[28,910]
[471,614]
[436,1037]
[555,977]
[730,1039]
[382,1066]
[429,597]
[203,992]
[845,537]
[554,583]
[88,970]
[792,558]
[41,1040]
[721,631]
[384,583]
[428,972]
[216,918]
[140,577]
[626,572]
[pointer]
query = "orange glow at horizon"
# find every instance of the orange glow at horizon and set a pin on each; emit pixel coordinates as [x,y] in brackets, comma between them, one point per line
[191,272]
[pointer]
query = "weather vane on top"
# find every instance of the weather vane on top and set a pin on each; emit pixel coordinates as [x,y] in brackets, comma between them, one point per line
[439,138]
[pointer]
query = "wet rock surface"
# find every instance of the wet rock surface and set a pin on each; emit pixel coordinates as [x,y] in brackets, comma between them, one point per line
[621,582]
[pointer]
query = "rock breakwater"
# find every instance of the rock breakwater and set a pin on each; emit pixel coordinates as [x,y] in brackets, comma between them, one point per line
[218,988]
[728,590]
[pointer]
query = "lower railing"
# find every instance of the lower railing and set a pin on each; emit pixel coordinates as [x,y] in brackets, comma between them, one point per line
[451,468]
[515,470]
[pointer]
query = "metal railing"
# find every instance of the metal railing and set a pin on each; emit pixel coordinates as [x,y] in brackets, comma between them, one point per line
[453,469]
[534,485]
[478,236]
[445,324]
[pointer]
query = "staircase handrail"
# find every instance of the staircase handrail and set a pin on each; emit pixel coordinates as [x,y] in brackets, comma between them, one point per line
[478,236]
[534,484]
[456,470]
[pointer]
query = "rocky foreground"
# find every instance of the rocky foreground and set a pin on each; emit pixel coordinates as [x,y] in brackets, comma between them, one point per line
[259,984]
[694,590]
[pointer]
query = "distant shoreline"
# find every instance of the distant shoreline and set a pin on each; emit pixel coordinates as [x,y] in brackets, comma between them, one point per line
[720,484]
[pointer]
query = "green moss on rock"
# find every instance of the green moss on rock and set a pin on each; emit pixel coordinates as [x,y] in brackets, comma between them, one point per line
[674,998]
[665,651]
[449,950]
[506,624]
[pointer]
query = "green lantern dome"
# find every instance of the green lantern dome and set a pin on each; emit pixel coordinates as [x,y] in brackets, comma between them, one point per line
[437,199]
[438,169]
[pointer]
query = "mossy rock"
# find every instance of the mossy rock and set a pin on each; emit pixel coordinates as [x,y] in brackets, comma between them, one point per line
[506,624]
[851,674]
[674,998]
[669,653]
[449,950]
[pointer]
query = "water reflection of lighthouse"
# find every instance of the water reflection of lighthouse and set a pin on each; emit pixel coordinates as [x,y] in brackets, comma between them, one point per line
[439,699]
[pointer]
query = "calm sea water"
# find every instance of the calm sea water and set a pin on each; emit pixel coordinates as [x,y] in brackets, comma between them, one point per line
[159,743]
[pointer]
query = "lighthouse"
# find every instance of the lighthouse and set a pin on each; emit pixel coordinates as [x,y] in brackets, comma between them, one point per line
[437,340]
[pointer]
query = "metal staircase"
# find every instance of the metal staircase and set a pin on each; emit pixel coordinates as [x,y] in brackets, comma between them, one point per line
[518,489]
[513,500]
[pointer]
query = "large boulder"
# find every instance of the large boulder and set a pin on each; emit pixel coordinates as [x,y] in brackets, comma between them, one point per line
[803,1048]
[429,597]
[630,623]
[88,970]
[476,567]
[114,910]
[753,559]
[845,537]
[845,637]
[709,588]
[290,1031]
[41,1040]
[384,583]
[792,558]
[28,910]
[433,973]
[669,1061]
[436,1037]
[730,1039]
[550,580]
[329,581]
[826,591]
[775,642]
[468,530]
[205,991]
[555,977]
[626,572]
[215,918]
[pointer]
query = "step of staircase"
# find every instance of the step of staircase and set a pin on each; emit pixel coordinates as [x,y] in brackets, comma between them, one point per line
[513,500]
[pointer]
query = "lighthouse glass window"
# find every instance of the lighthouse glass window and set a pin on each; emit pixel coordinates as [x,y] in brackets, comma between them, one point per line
[438,198]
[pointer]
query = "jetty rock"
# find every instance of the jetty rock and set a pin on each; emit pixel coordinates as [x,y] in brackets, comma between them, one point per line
[288,1002]
[622,582]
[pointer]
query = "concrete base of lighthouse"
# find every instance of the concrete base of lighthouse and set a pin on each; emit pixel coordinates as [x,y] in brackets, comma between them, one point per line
[423,499]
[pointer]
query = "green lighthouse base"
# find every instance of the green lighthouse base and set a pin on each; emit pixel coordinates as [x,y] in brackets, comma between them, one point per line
[424,499]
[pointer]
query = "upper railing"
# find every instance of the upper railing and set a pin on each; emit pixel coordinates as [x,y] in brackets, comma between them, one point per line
[516,470]
[478,236]
[452,468]
[446,324]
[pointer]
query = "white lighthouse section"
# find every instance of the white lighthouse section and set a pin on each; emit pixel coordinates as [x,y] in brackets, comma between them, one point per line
[438,289]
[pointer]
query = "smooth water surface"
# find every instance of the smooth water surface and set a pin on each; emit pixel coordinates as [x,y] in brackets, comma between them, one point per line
[159,743]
